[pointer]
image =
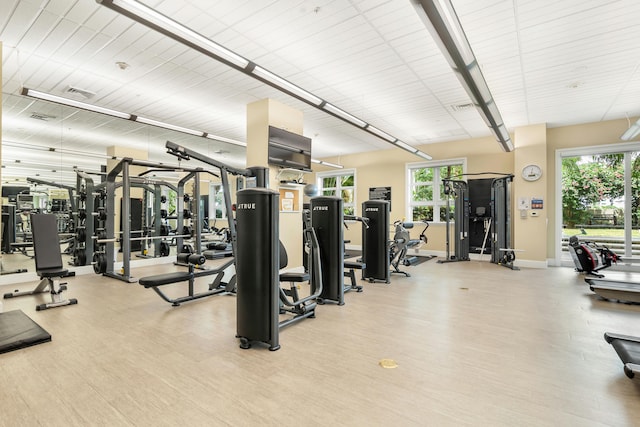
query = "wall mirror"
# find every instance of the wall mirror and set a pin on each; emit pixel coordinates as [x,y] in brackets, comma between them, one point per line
[44,144]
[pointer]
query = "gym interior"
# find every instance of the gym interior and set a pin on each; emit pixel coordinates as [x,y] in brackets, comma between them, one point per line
[283,212]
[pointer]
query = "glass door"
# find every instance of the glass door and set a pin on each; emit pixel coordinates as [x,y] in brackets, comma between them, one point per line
[601,199]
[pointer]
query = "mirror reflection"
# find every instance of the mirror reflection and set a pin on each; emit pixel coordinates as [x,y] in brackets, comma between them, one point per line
[47,147]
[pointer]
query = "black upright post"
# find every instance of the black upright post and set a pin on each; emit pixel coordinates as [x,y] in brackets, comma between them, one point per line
[375,240]
[327,219]
[257,267]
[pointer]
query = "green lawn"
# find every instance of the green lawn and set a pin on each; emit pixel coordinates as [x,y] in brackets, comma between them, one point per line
[600,232]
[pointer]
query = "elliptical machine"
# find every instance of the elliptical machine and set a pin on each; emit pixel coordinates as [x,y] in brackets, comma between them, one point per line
[589,257]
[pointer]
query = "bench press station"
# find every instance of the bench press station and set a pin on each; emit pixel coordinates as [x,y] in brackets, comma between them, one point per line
[194,262]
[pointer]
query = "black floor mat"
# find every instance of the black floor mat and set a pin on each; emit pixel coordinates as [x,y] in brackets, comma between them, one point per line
[17,330]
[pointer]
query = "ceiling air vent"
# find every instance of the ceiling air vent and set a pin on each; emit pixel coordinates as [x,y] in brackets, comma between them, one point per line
[41,116]
[80,92]
[463,107]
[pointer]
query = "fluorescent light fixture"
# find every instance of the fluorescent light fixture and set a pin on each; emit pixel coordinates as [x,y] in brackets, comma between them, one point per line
[168,126]
[322,162]
[223,139]
[632,132]
[182,34]
[504,133]
[405,146]
[483,89]
[423,155]
[175,30]
[374,130]
[442,22]
[285,85]
[73,103]
[454,28]
[344,115]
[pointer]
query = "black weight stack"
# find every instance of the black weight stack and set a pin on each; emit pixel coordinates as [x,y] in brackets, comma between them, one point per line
[375,241]
[327,219]
[257,267]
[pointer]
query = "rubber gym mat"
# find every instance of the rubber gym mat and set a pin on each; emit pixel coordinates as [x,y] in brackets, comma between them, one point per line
[17,330]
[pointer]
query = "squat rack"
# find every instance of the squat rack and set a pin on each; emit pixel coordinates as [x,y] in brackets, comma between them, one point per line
[111,185]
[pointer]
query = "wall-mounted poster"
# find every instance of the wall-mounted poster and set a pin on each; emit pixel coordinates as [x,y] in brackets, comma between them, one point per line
[380,193]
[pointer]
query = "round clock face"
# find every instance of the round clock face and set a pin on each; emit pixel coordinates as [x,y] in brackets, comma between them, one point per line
[531,172]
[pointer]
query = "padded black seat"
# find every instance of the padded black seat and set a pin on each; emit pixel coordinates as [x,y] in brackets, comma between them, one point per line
[350,268]
[290,276]
[48,258]
[214,288]
[165,279]
[53,272]
[628,349]
[354,265]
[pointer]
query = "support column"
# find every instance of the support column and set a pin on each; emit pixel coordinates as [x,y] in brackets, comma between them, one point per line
[260,115]
[530,224]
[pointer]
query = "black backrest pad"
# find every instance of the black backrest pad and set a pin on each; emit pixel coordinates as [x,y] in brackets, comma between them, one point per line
[46,245]
[284,259]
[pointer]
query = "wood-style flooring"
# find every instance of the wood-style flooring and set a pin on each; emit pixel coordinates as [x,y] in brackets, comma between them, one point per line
[475,344]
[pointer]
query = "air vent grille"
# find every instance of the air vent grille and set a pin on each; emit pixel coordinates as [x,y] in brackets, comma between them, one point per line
[463,107]
[41,116]
[80,92]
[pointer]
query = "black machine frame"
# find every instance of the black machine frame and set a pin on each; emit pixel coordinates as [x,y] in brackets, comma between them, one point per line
[459,191]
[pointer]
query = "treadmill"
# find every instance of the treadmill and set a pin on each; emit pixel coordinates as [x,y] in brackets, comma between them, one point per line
[616,290]
[628,349]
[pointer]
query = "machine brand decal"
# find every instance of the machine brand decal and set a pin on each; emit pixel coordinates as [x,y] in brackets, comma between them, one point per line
[371,210]
[246,206]
[321,208]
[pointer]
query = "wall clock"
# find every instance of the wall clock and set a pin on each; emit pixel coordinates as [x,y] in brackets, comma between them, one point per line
[531,173]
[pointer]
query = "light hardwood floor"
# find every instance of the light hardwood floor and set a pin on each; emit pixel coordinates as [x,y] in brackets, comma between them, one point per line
[475,343]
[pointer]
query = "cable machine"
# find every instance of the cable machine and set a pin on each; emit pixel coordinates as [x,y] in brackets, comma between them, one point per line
[459,191]
[502,253]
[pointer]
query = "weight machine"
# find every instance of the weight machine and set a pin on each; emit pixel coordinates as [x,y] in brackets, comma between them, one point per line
[502,253]
[402,242]
[260,299]
[459,190]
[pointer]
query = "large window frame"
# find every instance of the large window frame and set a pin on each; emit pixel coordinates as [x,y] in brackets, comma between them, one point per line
[216,202]
[340,190]
[438,201]
[559,259]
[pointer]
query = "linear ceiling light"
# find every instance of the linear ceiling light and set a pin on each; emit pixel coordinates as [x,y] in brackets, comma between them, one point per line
[442,22]
[168,126]
[73,103]
[285,84]
[381,134]
[113,113]
[632,132]
[322,162]
[163,24]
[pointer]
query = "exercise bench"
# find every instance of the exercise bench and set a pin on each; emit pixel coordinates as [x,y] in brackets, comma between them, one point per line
[194,262]
[48,258]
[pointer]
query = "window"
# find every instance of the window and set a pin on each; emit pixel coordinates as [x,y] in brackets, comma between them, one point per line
[598,198]
[426,199]
[341,184]
[217,201]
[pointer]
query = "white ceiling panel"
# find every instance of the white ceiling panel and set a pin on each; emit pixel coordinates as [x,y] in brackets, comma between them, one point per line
[546,61]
